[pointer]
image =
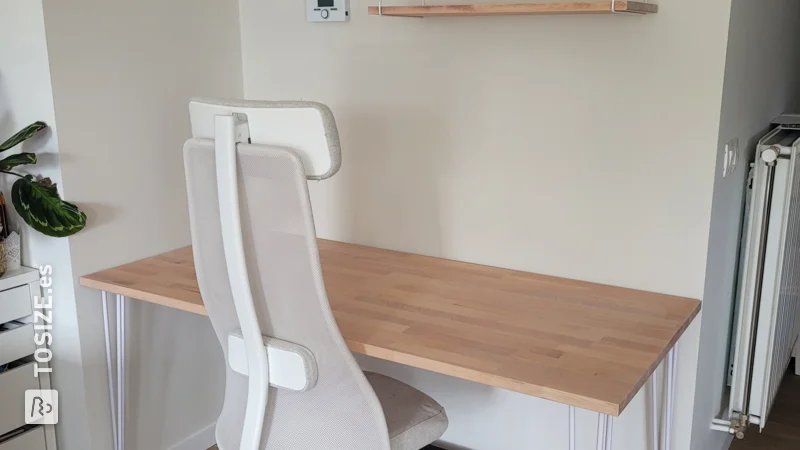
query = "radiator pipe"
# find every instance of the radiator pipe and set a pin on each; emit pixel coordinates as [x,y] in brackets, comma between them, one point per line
[725,426]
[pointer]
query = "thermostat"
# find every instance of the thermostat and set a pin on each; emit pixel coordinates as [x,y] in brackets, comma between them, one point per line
[328,10]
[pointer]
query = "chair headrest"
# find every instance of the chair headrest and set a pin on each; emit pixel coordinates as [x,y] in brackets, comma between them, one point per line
[306,128]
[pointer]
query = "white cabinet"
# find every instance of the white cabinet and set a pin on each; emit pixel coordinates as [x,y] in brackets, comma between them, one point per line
[13,384]
[15,303]
[16,343]
[18,289]
[29,440]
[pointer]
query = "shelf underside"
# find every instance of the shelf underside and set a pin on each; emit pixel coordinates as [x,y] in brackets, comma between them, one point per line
[511,9]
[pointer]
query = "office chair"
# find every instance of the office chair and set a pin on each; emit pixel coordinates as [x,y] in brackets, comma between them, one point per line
[291,381]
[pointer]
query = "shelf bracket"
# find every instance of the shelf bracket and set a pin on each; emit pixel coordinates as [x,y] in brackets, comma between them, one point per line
[615,11]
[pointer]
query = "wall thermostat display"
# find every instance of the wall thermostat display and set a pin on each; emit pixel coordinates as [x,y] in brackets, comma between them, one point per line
[328,10]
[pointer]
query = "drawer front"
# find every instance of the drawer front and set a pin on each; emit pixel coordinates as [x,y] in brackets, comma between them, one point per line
[16,343]
[13,385]
[15,304]
[31,440]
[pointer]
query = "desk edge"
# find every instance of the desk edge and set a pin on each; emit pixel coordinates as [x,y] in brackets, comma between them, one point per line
[149,297]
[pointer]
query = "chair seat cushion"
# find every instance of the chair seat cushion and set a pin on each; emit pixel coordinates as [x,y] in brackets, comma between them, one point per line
[414,419]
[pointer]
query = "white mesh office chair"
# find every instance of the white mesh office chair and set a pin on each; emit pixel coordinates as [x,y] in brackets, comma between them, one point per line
[258,268]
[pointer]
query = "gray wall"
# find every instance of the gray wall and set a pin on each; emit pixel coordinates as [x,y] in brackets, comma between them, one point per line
[762,80]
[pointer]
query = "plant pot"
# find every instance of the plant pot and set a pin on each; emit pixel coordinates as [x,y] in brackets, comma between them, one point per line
[12,253]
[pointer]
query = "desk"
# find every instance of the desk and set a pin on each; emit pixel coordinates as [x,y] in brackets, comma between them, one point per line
[581,344]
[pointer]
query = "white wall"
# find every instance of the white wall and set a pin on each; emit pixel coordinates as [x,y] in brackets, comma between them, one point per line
[762,80]
[578,146]
[25,97]
[122,74]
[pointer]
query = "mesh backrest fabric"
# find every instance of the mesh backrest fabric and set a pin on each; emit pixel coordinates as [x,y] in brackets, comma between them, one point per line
[342,411]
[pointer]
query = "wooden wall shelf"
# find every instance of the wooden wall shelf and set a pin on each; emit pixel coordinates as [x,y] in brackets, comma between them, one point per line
[511,9]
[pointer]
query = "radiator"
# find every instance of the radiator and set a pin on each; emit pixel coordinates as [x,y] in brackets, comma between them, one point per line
[766,328]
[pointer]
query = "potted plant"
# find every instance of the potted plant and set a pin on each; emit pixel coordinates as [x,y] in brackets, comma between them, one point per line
[36,199]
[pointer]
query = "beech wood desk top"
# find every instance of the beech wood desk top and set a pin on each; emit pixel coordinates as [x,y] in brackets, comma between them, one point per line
[583,344]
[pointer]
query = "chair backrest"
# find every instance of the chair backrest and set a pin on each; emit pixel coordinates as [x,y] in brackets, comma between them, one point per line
[341,411]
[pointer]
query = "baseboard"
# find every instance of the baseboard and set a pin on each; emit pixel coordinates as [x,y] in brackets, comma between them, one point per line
[203,439]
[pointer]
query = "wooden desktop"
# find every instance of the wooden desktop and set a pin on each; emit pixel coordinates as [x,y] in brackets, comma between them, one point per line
[582,344]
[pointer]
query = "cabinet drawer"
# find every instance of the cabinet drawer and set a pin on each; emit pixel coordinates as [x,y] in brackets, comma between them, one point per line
[13,384]
[30,440]
[16,343]
[15,303]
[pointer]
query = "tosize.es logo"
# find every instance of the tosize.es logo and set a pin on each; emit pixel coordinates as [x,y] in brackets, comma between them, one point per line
[43,322]
[41,407]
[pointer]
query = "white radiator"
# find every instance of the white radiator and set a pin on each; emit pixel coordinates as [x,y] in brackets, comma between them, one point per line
[766,328]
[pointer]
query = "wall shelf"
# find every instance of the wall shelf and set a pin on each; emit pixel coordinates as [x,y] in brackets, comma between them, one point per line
[510,9]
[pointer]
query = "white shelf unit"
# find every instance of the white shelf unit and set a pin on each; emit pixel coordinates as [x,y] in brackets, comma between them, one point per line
[18,288]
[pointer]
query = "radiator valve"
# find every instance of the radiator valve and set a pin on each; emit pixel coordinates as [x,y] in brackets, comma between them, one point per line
[770,155]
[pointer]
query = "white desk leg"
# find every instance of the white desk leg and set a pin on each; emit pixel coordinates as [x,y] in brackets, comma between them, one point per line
[672,363]
[654,415]
[609,431]
[571,428]
[121,372]
[602,420]
[669,407]
[605,428]
[110,369]
[605,423]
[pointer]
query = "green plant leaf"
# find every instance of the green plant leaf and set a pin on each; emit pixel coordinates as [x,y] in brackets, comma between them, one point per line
[12,161]
[40,206]
[24,134]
